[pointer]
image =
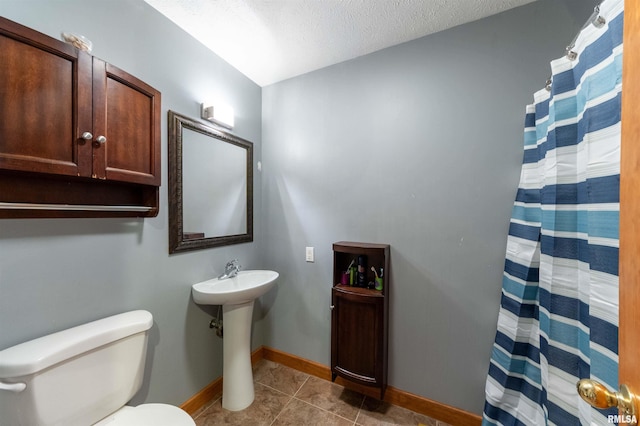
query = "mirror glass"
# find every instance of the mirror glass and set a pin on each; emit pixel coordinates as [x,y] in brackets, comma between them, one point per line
[210,186]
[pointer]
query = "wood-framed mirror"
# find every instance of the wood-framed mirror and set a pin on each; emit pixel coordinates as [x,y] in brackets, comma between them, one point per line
[210,186]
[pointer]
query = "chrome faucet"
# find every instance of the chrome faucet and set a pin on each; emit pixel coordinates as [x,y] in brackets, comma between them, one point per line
[231,269]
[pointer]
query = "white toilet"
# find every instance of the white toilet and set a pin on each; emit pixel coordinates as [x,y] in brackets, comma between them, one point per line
[82,376]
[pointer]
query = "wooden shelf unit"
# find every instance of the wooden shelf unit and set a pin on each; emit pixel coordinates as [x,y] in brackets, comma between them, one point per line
[360,318]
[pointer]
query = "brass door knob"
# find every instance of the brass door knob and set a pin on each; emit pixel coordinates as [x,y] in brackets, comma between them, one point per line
[598,396]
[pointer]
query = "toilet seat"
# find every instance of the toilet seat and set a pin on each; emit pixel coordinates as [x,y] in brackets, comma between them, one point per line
[148,415]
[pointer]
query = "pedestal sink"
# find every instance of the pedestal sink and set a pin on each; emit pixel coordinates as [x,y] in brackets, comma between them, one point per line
[236,295]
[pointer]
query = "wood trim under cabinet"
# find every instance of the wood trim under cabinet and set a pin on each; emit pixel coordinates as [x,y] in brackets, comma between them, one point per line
[416,403]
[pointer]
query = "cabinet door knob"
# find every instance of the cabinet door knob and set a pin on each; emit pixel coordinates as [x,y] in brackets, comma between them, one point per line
[87,136]
[101,139]
[331,307]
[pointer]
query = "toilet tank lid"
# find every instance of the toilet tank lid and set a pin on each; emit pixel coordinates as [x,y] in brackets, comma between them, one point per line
[43,352]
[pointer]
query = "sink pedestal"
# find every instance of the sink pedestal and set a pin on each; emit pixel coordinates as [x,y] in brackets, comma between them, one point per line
[237,375]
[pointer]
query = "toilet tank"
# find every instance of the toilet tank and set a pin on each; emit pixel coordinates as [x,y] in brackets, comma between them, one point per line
[76,376]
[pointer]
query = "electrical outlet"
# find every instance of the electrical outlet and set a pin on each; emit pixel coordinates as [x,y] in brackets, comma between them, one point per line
[309,255]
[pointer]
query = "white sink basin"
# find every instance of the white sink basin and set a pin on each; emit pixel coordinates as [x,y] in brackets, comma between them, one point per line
[244,287]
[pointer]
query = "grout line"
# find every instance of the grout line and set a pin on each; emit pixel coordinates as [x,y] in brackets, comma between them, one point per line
[303,383]
[294,396]
[364,397]
[324,409]
[274,389]
[281,411]
[321,409]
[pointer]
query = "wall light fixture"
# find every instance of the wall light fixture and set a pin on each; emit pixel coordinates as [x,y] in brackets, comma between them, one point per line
[220,114]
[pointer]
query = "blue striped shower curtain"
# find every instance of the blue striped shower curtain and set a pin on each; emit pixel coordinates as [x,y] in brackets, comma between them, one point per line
[558,319]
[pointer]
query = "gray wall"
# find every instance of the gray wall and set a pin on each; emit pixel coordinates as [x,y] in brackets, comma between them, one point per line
[418,146]
[58,273]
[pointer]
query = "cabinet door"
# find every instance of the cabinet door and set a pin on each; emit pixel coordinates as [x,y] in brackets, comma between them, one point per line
[45,103]
[357,327]
[126,115]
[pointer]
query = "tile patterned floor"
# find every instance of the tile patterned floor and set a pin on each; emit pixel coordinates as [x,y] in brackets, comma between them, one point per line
[285,396]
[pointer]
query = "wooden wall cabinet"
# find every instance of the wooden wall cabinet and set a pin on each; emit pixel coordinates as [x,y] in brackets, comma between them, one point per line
[360,318]
[74,131]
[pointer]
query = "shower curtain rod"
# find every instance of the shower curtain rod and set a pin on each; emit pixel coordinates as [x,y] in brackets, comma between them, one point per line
[597,21]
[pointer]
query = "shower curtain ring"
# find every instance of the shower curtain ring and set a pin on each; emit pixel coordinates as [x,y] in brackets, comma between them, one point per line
[571,55]
[598,20]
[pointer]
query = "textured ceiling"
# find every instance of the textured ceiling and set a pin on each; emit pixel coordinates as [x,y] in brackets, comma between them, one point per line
[272,40]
